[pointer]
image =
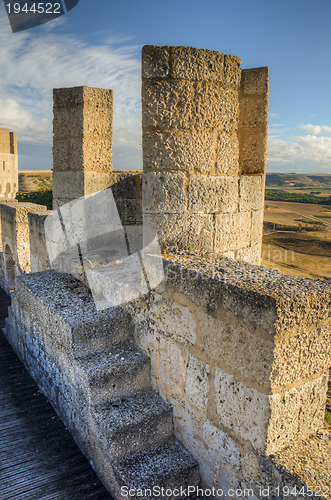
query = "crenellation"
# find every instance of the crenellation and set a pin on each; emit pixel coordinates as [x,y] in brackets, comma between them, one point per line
[194,122]
[238,354]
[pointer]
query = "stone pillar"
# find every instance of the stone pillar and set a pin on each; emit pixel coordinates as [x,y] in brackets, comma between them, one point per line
[204,167]
[82,144]
[8,164]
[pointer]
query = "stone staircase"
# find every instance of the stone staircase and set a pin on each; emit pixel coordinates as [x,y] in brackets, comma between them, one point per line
[132,424]
[99,383]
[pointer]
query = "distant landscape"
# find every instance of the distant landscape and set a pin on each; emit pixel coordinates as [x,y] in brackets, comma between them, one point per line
[297,219]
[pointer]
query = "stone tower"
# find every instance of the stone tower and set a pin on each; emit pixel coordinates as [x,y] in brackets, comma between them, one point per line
[204,150]
[8,164]
[82,142]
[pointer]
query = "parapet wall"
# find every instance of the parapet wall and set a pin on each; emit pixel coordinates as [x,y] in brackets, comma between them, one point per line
[82,144]
[8,164]
[204,150]
[242,353]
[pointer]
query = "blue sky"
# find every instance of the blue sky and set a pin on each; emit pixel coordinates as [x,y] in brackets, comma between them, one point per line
[99,43]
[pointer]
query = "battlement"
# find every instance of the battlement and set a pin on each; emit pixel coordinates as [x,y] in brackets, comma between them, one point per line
[239,353]
[8,164]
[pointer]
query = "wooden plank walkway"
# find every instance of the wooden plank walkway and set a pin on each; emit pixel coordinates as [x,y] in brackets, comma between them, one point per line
[39,459]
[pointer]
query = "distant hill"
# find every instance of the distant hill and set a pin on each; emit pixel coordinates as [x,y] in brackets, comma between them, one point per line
[299,180]
[34,180]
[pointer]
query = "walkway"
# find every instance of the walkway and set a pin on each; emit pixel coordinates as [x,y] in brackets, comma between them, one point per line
[39,459]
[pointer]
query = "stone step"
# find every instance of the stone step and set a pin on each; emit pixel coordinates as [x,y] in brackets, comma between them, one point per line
[115,371]
[167,466]
[129,424]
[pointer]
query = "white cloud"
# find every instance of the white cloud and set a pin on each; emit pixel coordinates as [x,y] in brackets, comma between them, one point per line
[33,63]
[316,129]
[304,153]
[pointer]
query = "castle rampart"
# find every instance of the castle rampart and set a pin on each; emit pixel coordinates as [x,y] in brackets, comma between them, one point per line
[224,357]
[8,164]
[204,150]
[82,147]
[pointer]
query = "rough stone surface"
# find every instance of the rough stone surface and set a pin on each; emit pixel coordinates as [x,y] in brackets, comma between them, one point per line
[203,117]
[8,164]
[82,129]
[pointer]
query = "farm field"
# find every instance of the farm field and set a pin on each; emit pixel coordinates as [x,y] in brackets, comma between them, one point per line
[297,236]
[297,239]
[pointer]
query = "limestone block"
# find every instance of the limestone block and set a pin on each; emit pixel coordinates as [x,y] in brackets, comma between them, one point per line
[232,231]
[241,409]
[164,192]
[67,155]
[97,154]
[216,106]
[228,337]
[251,192]
[255,81]
[126,184]
[257,226]
[168,104]
[155,61]
[297,411]
[196,64]
[227,154]
[302,347]
[212,194]
[94,182]
[253,150]
[184,151]
[221,443]
[68,185]
[197,385]
[251,254]
[193,232]
[172,367]
[232,71]
[254,111]
[82,129]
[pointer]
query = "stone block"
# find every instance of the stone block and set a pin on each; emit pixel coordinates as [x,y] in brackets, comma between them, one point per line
[251,254]
[232,231]
[255,81]
[183,231]
[68,185]
[253,150]
[197,384]
[228,337]
[171,363]
[296,412]
[190,63]
[251,192]
[212,194]
[254,111]
[232,71]
[242,410]
[216,106]
[183,151]
[257,227]
[164,192]
[168,104]
[221,443]
[155,61]
[227,154]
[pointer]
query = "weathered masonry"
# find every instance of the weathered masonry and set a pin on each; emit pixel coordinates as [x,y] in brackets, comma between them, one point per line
[204,150]
[8,164]
[218,376]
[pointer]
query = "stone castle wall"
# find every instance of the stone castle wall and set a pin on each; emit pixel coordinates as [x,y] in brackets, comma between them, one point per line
[82,145]
[8,164]
[241,353]
[204,150]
